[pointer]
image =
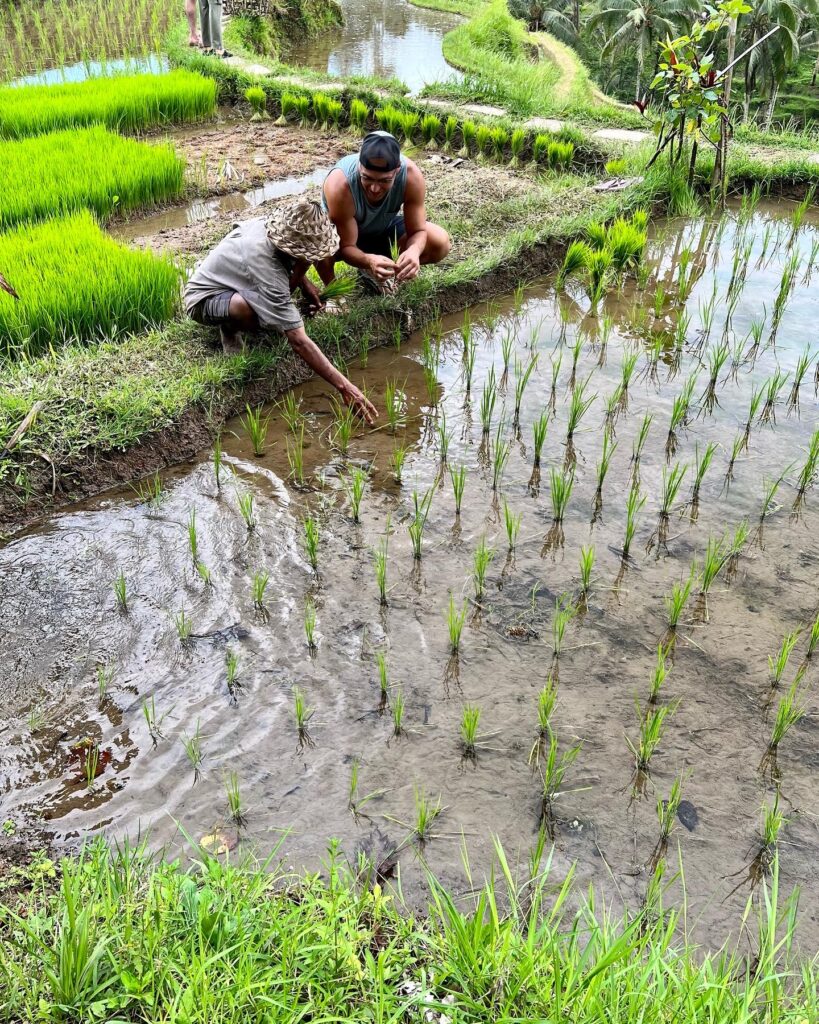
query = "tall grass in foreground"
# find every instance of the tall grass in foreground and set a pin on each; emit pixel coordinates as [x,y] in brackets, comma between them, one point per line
[76,282]
[126,103]
[90,168]
[533,941]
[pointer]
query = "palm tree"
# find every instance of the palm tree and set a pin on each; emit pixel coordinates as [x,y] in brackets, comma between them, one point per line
[7,287]
[640,22]
[562,18]
[768,65]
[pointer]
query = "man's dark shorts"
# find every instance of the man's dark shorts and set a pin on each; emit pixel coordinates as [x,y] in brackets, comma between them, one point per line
[214,310]
[379,245]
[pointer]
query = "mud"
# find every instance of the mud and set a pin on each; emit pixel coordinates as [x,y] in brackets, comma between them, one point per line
[62,622]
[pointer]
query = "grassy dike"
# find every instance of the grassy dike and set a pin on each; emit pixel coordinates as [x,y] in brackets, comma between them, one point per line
[118,937]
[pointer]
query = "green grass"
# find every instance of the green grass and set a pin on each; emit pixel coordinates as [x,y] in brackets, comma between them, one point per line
[76,282]
[122,937]
[126,103]
[90,169]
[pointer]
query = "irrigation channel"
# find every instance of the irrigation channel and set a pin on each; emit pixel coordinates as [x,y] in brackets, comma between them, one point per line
[83,674]
[385,38]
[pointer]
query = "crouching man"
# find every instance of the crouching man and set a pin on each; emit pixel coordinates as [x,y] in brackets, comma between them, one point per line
[246,284]
[375,199]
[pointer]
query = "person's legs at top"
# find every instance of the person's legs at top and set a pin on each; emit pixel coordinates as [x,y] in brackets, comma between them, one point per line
[190,14]
[204,21]
[216,26]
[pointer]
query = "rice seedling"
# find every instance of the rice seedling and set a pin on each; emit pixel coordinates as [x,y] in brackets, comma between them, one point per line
[121,591]
[397,458]
[676,601]
[303,714]
[512,523]
[716,555]
[247,509]
[455,619]
[354,489]
[757,395]
[236,807]
[735,549]
[256,429]
[586,567]
[606,455]
[560,155]
[193,750]
[217,461]
[409,123]
[310,621]
[232,672]
[770,487]
[613,405]
[458,478]
[659,675]
[500,140]
[397,709]
[539,430]
[450,131]
[125,103]
[488,399]
[680,410]
[500,456]
[481,560]
[579,405]
[813,639]
[564,613]
[802,365]
[152,720]
[786,284]
[517,143]
[717,357]
[257,98]
[105,676]
[778,663]
[470,353]
[444,438]
[193,536]
[546,701]
[773,388]
[659,300]
[295,454]
[483,141]
[343,426]
[430,130]
[639,442]
[75,282]
[701,466]
[419,521]
[470,720]
[576,260]
[555,768]
[560,491]
[340,288]
[395,405]
[302,106]
[634,504]
[311,541]
[672,481]
[426,814]
[599,267]
[150,492]
[790,711]
[380,561]
[184,625]
[807,475]
[389,119]
[258,587]
[359,114]
[643,273]
[755,334]
[707,309]
[469,133]
[651,725]
[626,373]
[540,149]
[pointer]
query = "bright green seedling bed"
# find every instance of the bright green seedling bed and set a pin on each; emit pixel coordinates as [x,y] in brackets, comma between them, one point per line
[91,168]
[125,103]
[75,282]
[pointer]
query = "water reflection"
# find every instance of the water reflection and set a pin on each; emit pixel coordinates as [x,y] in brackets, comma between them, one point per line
[152,65]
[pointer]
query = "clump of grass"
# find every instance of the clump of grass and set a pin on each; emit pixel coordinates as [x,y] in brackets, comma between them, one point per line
[481,561]
[303,714]
[256,428]
[470,720]
[311,541]
[455,619]
[458,478]
[236,807]
[121,591]
[419,520]
[310,624]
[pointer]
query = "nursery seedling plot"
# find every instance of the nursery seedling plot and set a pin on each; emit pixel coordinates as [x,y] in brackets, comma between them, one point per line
[377,545]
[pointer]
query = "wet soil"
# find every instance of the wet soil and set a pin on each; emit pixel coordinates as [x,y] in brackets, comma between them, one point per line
[62,621]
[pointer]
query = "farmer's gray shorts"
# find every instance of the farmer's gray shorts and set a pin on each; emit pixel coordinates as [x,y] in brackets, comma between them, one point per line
[214,310]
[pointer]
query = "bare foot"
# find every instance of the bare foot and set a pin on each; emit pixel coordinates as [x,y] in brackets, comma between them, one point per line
[232,344]
[194,41]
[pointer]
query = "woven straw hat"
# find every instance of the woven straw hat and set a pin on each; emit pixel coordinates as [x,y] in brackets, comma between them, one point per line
[303,229]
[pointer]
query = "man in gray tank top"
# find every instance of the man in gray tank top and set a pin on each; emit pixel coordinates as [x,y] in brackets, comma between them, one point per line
[375,198]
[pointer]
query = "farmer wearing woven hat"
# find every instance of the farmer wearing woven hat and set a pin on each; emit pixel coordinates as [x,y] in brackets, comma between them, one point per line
[375,198]
[246,284]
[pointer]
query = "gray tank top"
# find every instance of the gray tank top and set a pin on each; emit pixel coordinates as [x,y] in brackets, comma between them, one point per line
[372,220]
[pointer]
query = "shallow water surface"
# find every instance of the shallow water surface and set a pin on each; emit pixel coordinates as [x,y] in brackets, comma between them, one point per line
[62,623]
[387,38]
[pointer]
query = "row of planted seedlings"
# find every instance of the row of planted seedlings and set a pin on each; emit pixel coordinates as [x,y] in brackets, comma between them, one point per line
[719,554]
[465,137]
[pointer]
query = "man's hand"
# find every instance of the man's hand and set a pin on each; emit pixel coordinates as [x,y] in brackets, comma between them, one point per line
[409,263]
[382,268]
[311,293]
[357,400]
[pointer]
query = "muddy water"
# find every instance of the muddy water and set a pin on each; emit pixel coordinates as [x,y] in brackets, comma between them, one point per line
[61,620]
[207,209]
[387,38]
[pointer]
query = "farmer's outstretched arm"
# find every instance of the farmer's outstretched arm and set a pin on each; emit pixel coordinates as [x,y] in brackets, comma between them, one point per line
[304,346]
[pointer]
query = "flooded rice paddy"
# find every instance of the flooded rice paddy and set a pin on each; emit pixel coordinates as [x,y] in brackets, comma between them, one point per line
[387,38]
[83,674]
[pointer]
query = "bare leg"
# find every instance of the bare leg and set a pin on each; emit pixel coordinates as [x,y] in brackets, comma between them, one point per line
[190,14]
[438,244]
[242,318]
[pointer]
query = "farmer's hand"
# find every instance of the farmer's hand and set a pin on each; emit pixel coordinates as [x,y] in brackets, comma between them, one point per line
[409,263]
[382,268]
[311,293]
[357,400]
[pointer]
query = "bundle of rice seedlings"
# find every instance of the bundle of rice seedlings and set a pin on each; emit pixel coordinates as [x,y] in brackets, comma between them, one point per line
[430,129]
[257,98]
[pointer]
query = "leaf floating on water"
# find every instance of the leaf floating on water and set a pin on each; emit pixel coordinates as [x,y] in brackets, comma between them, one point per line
[219,842]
